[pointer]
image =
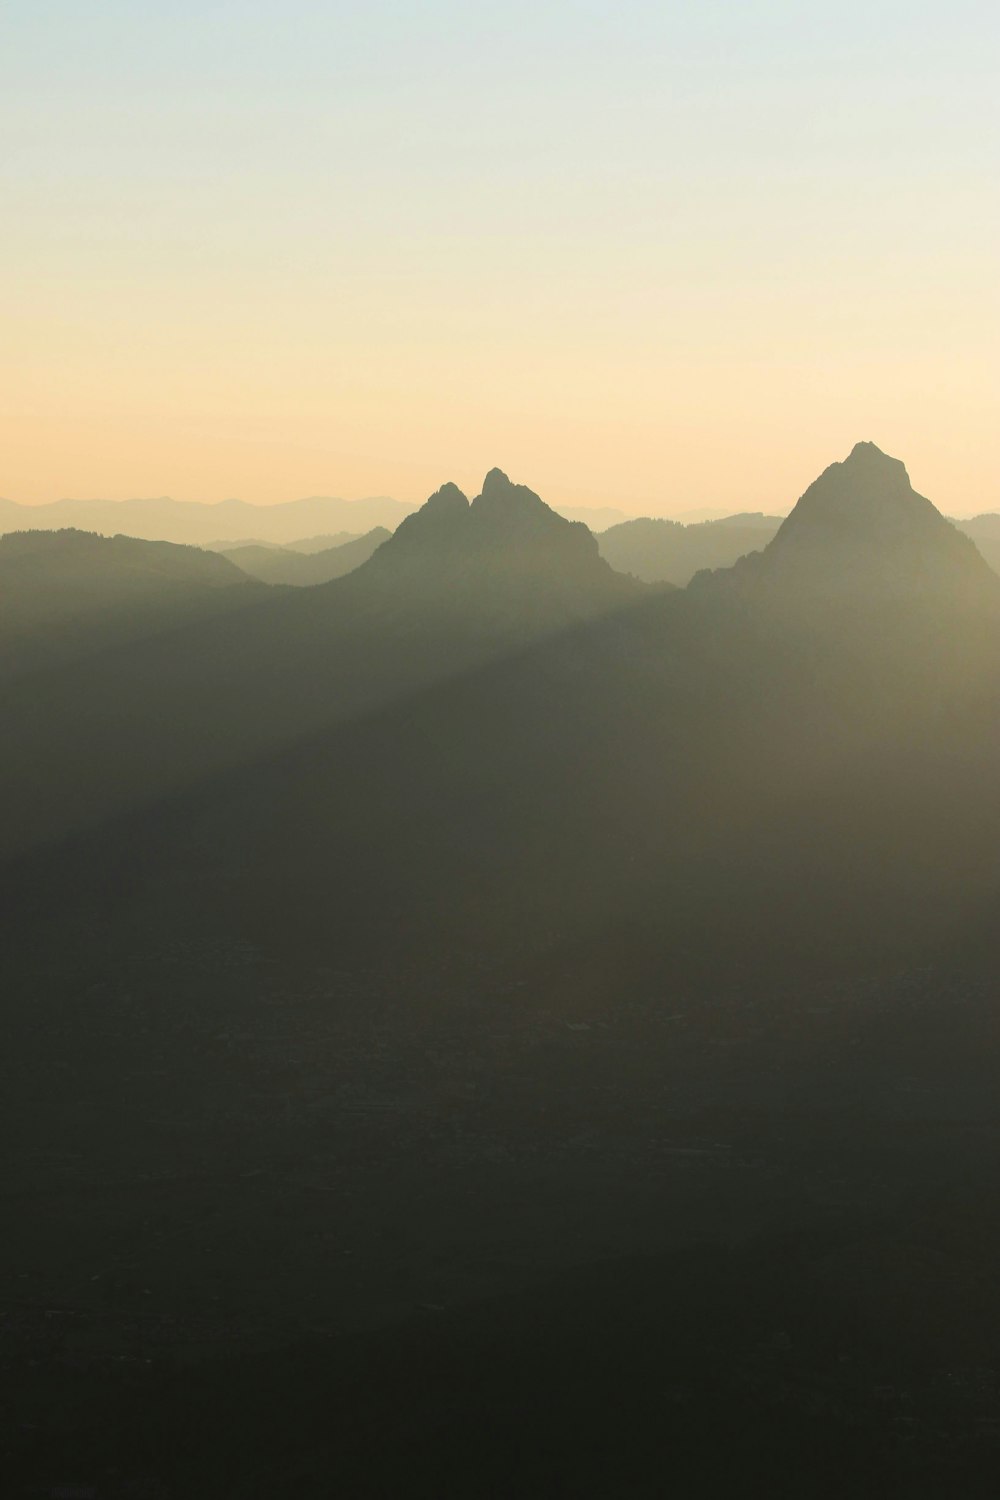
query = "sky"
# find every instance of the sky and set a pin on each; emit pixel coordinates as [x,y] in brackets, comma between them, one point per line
[661,255]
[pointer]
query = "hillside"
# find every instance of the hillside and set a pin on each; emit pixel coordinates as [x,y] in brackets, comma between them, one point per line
[658,550]
[862,531]
[695,737]
[301,568]
[455,586]
[599,1005]
[66,594]
[985,532]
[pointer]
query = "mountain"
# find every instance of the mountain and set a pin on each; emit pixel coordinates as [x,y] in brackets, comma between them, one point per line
[65,594]
[455,586]
[658,550]
[288,565]
[861,530]
[251,541]
[528,732]
[596,517]
[197,524]
[985,532]
[506,557]
[322,543]
[415,1000]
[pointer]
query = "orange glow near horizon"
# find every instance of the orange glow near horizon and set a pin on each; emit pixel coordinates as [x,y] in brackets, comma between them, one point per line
[658,258]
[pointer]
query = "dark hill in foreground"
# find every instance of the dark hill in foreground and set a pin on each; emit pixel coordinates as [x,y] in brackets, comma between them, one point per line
[573,1066]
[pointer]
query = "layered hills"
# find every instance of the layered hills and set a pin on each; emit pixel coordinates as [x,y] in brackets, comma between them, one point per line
[303,568]
[658,550]
[456,585]
[164,519]
[481,954]
[985,532]
[487,710]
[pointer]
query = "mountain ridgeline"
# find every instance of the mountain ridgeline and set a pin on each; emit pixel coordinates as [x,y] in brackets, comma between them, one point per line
[485,993]
[455,586]
[505,557]
[678,711]
[66,594]
[203,525]
[305,568]
[861,528]
[662,551]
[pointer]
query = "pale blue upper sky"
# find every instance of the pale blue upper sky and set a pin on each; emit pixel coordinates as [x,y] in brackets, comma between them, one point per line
[633,252]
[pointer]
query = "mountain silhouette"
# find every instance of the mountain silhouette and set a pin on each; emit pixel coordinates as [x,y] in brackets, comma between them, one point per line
[361,946]
[66,593]
[985,532]
[505,559]
[303,569]
[197,524]
[322,543]
[456,586]
[861,529]
[658,550]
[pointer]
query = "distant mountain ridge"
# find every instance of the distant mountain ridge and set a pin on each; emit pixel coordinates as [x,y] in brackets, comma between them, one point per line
[456,586]
[486,734]
[659,550]
[287,565]
[985,532]
[191,523]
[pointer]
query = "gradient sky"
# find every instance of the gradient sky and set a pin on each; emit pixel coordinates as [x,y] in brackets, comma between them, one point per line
[655,255]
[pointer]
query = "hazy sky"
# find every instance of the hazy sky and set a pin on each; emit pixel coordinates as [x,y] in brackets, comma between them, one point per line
[661,255]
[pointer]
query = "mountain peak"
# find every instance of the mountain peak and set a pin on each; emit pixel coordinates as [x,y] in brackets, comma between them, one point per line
[867,457]
[507,554]
[496,482]
[439,516]
[867,449]
[500,496]
[861,528]
[449,500]
[867,498]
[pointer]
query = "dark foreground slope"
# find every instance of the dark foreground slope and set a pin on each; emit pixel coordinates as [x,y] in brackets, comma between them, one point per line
[577,1077]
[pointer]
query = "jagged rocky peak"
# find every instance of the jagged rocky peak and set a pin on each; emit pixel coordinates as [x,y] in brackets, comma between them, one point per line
[862,525]
[496,484]
[507,554]
[868,494]
[442,514]
[449,500]
[499,490]
[502,501]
